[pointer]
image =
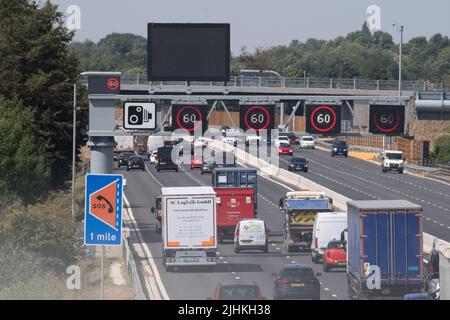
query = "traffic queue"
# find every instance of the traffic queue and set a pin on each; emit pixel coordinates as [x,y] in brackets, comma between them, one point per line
[364,241]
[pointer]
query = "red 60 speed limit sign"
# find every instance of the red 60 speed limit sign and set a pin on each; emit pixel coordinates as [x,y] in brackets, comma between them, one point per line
[189,117]
[387,119]
[323,119]
[257,117]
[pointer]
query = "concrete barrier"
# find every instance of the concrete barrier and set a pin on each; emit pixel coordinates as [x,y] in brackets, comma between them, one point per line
[301,183]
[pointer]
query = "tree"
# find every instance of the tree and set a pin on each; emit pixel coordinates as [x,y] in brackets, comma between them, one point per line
[24,173]
[442,149]
[256,61]
[37,67]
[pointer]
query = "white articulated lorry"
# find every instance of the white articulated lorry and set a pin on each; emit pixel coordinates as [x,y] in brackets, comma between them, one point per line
[189,226]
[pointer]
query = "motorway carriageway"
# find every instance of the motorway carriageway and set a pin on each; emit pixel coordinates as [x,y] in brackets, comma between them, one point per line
[199,283]
[363,180]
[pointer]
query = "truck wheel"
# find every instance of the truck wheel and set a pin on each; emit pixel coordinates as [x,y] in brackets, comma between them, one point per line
[237,250]
[326,268]
[400,171]
[266,249]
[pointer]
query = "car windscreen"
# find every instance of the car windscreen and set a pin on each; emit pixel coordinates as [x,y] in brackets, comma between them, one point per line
[238,293]
[340,143]
[284,145]
[297,273]
[336,245]
[394,156]
[298,160]
[307,139]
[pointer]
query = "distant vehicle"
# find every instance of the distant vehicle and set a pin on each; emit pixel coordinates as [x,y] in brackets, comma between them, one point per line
[251,234]
[157,211]
[165,162]
[230,140]
[293,139]
[116,155]
[136,163]
[194,243]
[241,291]
[285,149]
[296,281]
[432,267]
[386,234]
[228,160]
[200,142]
[233,205]
[223,130]
[339,148]
[392,161]
[207,167]
[123,158]
[335,255]
[153,157]
[300,209]
[252,140]
[281,140]
[416,296]
[298,164]
[235,177]
[328,226]
[307,142]
[196,162]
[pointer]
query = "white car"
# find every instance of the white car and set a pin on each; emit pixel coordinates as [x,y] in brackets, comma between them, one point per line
[328,226]
[251,234]
[281,140]
[252,140]
[392,161]
[201,142]
[230,140]
[307,142]
[153,157]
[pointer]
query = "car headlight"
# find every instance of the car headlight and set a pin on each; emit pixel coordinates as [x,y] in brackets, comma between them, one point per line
[306,166]
[334,149]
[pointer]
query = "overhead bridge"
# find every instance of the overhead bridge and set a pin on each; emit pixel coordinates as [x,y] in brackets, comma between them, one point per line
[432,105]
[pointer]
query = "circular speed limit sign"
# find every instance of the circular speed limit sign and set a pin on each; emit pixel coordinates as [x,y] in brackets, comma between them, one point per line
[257,118]
[387,119]
[323,119]
[189,118]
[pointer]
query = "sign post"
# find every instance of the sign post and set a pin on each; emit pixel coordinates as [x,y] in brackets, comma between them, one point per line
[103,214]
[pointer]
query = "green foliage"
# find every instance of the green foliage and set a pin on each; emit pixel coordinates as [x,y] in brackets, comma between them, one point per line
[46,230]
[37,67]
[25,174]
[442,149]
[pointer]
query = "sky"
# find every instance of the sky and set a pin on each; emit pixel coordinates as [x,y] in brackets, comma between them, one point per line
[262,23]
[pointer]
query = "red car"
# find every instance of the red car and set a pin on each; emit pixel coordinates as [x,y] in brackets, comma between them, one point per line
[196,162]
[334,256]
[285,148]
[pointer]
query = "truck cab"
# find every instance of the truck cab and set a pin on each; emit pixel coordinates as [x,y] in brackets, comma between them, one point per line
[300,209]
[392,161]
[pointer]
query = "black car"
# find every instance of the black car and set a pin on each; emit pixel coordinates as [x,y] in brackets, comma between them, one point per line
[122,159]
[223,130]
[298,164]
[296,281]
[339,148]
[136,163]
[244,291]
[293,139]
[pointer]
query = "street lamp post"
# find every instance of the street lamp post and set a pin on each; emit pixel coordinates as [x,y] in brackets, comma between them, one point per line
[400,29]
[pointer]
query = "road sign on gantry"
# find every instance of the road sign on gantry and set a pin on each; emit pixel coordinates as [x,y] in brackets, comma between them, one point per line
[257,117]
[387,119]
[103,210]
[139,115]
[323,119]
[190,118]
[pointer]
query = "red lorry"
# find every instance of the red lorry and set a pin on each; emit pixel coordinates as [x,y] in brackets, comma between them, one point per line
[233,205]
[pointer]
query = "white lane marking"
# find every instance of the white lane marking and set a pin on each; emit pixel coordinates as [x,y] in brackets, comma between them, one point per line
[326,289]
[156,274]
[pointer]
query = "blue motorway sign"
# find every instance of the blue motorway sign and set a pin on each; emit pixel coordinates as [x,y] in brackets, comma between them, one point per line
[103,210]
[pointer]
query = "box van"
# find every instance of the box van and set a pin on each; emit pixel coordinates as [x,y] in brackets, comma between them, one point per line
[328,226]
[251,234]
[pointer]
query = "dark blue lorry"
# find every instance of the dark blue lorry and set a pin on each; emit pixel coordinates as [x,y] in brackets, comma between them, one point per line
[384,234]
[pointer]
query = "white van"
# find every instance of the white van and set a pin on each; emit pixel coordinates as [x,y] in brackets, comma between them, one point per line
[251,234]
[327,226]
